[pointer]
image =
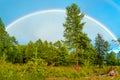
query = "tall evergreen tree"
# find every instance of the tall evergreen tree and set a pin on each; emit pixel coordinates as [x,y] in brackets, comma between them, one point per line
[99,43]
[102,48]
[74,37]
[106,49]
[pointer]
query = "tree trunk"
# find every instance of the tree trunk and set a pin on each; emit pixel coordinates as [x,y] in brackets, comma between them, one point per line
[76,56]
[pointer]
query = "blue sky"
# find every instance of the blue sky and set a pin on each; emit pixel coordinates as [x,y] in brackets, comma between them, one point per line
[105,11]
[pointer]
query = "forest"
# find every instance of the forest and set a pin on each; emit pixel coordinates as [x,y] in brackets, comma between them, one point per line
[74,58]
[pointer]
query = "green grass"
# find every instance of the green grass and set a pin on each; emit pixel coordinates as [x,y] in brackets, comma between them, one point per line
[30,71]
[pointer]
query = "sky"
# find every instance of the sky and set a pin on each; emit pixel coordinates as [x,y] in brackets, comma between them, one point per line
[105,11]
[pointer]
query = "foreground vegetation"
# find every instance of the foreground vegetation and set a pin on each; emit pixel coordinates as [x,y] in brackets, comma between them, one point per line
[43,60]
[31,71]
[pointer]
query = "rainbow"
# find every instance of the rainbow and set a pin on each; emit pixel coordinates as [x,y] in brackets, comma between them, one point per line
[61,11]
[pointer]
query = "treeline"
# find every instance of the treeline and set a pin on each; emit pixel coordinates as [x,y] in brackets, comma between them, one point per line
[75,49]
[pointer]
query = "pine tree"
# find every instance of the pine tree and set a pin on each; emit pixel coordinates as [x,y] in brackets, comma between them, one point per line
[74,37]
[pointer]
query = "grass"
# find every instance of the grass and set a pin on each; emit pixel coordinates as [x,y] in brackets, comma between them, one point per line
[30,71]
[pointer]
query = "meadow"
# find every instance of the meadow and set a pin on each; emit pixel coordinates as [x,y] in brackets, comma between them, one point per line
[33,71]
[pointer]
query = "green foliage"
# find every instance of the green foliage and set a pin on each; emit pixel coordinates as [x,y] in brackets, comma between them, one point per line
[111,58]
[73,28]
[102,48]
[118,59]
[70,59]
[7,43]
[75,38]
[9,71]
